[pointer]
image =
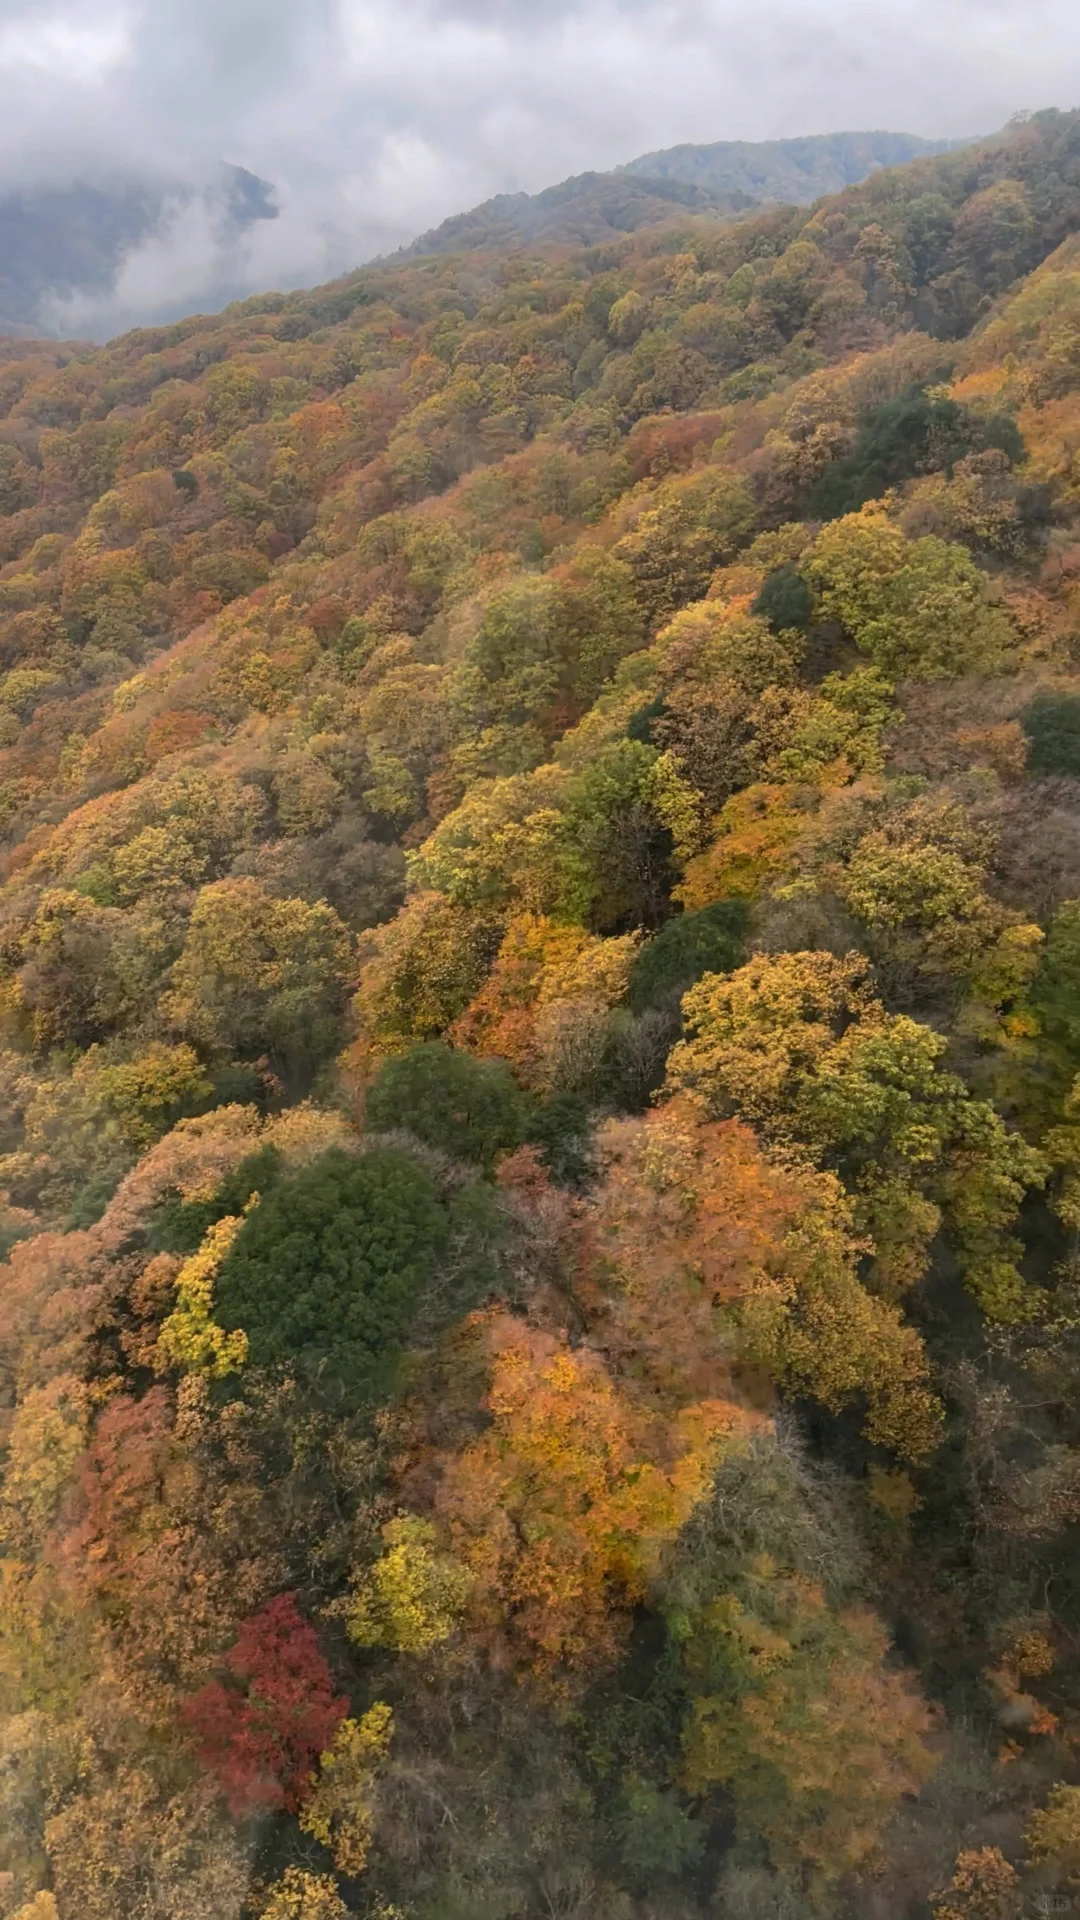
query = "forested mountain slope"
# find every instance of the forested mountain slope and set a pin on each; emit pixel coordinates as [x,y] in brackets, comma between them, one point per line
[796,171]
[539,967]
[584,211]
[724,178]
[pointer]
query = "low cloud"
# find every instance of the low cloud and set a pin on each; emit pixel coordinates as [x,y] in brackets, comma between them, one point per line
[377,118]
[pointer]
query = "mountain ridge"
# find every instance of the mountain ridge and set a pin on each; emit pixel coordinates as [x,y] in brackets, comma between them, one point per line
[798,169]
[60,243]
[719,179]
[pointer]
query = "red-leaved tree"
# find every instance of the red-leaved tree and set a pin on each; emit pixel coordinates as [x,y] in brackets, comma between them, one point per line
[261,1728]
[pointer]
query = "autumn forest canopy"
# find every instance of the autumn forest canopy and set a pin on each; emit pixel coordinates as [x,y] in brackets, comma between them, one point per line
[540,1079]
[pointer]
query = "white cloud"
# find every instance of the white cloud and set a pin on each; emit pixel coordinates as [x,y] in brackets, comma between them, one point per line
[85,51]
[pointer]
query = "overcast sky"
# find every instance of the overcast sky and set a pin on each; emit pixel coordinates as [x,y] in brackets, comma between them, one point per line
[377,118]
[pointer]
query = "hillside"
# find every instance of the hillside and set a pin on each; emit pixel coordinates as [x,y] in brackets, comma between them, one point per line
[60,242]
[795,172]
[720,180]
[580,212]
[539,966]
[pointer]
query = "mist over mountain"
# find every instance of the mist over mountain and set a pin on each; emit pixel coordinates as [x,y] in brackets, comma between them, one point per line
[107,253]
[376,120]
[62,245]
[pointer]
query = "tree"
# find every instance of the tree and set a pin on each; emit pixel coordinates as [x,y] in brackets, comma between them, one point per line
[328,1274]
[190,1338]
[814,1736]
[541,963]
[261,1728]
[1051,722]
[790,1702]
[691,525]
[785,600]
[507,844]
[412,1597]
[919,608]
[801,1046]
[983,1887]
[1053,1834]
[146,1095]
[424,968]
[339,1809]
[560,1510]
[72,978]
[470,1108]
[699,1255]
[88,1122]
[130,1842]
[921,894]
[619,840]
[757,832]
[168,1540]
[304,1896]
[825,737]
[155,863]
[1055,989]
[45,1440]
[41,1907]
[709,941]
[915,433]
[261,975]
[514,654]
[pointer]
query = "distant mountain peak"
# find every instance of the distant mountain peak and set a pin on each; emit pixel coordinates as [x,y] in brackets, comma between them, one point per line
[719,179]
[796,170]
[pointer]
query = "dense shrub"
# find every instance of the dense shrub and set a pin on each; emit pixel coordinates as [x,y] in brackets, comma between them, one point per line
[329,1271]
[470,1108]
[785,600]
[914,434]
[1052,724]
[711,941]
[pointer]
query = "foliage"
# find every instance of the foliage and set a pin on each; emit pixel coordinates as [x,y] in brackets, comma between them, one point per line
[258,974]
[790,1703]
[533,973]
[709,941]
[812,1734]
[557,1556]
[470,1108]
[427,965]
[983,1887]
[304,1896]
[328,1273]
[1051,722]
[1053,1835]
[785,600]
[46,1438]
[412,1597]
[190,1338]
[801,1045]
[913,434]
[338,1810]
[919,608]
[542,970]
[708,1254]
[260,1729]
